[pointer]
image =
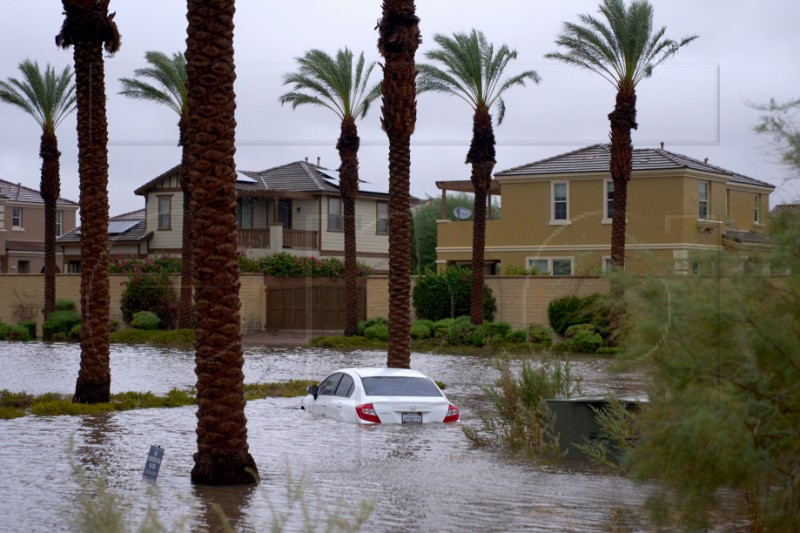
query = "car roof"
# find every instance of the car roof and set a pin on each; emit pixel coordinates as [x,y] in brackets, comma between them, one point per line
[384,372]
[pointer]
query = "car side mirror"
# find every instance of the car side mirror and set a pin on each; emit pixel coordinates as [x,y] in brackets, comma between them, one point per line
[312,390]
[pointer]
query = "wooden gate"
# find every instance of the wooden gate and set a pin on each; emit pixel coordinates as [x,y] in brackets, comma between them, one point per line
[309,303]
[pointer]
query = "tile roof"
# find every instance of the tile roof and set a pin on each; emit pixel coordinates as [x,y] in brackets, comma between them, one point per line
[133,232]
[792,210]
[25,246]
[596,158]
[299,176]
[19,193]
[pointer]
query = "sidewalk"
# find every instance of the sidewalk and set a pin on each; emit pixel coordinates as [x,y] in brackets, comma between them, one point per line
[285,337]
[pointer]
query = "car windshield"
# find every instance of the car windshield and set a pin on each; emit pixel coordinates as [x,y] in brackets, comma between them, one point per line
[400,386]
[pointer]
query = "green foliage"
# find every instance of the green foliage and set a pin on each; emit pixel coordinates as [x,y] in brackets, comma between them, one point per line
[517,336]
[150,291]
[29,325]
[59,324]
[285,265]
[541,335]
[420,331]
[581,338]
[447,294]
[723,357]
[132,265]
[571,310]
[286,389]
[619,432]
[15,332]
[781,122]
[74,334]
[145,320]
[342,343]
[516,270]
[176,337]
[377,332]
[518,415]
[364,324]
[8,413]
[498,328]
[62,304]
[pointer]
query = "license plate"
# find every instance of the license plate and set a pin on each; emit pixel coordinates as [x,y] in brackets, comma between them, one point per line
[412,418]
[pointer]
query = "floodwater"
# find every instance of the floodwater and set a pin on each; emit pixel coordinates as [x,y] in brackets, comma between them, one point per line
[420,478]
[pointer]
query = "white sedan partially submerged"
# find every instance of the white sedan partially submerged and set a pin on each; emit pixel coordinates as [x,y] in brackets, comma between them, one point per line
[380,396]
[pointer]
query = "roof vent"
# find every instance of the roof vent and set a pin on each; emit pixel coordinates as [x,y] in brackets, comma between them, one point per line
[318,160]
[662,145]
[705,160]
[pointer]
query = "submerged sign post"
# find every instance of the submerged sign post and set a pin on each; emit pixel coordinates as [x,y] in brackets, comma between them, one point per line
[153,463]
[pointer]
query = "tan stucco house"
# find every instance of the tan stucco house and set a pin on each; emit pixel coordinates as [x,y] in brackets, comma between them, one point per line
[556,215]
[294,208]
[22,228]
[127,236]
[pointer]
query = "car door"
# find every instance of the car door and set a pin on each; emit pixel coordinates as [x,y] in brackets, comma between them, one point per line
[325,393]
[340,405]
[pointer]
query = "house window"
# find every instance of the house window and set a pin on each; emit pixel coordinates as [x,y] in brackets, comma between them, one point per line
[757,209]
[285,213]
[59,223]
[606,264]
[244,213]
[703,200]
[16,217]
[560,192]
[74,267]
[558,266]
[23,267]
[608,200]
[335,218]
[165,212]
[382,221]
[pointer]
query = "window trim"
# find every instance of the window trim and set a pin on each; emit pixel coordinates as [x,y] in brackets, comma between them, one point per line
[17,220]
[339,217]
[757,209]
[240,209]
[59,222]
[605,264]
[701,202]
[553,220]
[549,272]
[607,217]
[159,214]
[378,219]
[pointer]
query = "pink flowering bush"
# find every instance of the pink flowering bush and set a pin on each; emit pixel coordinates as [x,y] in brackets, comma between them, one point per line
[148,287]
[285,265]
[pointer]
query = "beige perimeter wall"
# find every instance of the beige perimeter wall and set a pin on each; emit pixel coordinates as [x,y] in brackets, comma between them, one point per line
[520,301]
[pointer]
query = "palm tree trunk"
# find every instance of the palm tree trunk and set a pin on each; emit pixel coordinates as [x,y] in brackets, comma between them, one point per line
[187,239]
[482,157]
[87,27]
[222,456]
[623,120]
[348,182]
[398,42]
[50,190]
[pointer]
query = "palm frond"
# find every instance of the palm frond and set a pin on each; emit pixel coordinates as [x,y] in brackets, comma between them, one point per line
[46,96]
[162,82]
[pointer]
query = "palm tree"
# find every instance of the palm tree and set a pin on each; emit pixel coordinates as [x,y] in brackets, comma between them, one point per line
[222,456]
[468,67]
[88,28]
[332,83]
[48,98]
[623,50]
[398,42]
[164,82]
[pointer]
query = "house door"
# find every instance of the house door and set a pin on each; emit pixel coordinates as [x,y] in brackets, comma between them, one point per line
[285,213]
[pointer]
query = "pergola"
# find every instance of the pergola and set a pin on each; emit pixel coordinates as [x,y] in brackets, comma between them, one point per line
[466,186]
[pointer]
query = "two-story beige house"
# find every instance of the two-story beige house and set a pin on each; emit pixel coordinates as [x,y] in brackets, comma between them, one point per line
[294,208]
[22,228]
[556,215]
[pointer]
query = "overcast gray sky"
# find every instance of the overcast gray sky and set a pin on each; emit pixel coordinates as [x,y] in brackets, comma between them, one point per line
[696,102]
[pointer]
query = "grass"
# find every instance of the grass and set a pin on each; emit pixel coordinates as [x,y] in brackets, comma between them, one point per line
[174,337]
[429,345]
[18,404]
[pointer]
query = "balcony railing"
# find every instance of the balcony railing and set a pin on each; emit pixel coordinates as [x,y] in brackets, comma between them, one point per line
[300,239]
[254,238]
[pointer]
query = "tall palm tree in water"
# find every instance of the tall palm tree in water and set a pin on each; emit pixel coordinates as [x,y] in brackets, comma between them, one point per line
[398,42]
[88,28]
[164,82]
[623,50]
[333,83]
[222,456]
[467,66]
[47,97]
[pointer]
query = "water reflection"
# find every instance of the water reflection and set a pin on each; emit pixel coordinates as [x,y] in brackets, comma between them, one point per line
[418,478]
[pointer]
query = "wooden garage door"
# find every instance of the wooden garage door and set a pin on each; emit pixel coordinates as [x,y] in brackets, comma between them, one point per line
[309,303]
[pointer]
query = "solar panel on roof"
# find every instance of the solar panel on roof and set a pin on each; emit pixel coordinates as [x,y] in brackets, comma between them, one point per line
[115,227]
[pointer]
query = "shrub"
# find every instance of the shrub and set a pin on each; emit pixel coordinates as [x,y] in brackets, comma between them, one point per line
[62,304]
[128,264]
[516,270]
[498,328]
[377,331]
[578,328]
[541,335]
[430,324]
[475,335]
[584,341]
[145,320]
[30,325]
[284,265]
[570,310]
[518,336]
[150,291]
[447,294]
[74,334]
[420,331]
[16,333]
[59,324]
[364,324]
